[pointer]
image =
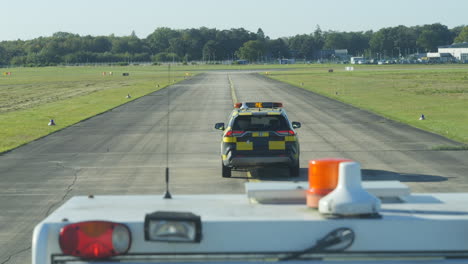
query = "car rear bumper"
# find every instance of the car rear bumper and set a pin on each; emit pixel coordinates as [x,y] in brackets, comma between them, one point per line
[261,158]
[259,161]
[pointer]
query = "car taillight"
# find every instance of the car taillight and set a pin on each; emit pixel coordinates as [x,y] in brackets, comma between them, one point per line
[95,239]
[286,132]
[232,133]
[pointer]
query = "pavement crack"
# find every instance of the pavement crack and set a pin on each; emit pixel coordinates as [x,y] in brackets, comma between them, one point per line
[67,190]
[14,254]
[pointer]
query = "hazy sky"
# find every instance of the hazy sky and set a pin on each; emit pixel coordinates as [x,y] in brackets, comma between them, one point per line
[27,19]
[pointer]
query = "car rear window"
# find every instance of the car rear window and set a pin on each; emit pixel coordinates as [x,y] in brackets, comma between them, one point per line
[260,123]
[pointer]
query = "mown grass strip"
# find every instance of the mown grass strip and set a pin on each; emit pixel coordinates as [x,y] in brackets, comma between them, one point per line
[401,93]
[449,148]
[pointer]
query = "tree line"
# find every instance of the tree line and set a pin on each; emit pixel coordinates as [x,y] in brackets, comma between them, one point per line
[211,45]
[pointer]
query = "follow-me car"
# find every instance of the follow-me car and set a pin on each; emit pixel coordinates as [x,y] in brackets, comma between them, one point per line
[259,134]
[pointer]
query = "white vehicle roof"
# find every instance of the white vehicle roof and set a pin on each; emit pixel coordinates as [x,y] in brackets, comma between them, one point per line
[413,227]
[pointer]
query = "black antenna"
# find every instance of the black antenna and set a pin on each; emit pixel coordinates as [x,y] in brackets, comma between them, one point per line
[167,195]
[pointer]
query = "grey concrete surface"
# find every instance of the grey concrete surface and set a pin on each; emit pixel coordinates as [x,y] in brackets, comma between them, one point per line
[124,151]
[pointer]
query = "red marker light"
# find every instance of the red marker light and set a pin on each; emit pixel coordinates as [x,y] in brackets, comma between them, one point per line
[95,239]
[276,104]
[286,132]
[232,133]
[237,105]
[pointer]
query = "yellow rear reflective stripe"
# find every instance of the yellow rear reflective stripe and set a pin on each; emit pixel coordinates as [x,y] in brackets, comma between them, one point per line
[275,145]
[244,146]
[260,134]
[273,113]
[230,139]
[245,113]
[290,138]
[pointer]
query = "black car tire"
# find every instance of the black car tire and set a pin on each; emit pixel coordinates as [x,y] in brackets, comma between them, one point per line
[294,170]
[226,171]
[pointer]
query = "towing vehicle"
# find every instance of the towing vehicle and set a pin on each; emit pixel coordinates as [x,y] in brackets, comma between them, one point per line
[297,222]
[259,134]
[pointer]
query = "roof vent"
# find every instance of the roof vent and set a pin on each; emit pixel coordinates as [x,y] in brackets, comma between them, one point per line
[349,198]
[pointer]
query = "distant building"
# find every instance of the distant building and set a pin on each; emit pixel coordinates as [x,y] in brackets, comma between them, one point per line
[459,51]
[286,61]
[338,54]
[341,53]
[243,62]
[357,60]
[439,57]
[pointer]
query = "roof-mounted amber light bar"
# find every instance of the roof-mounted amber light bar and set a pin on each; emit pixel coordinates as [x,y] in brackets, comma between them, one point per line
[258,105]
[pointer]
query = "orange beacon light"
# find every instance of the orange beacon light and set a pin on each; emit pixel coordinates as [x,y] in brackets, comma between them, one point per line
[323,178]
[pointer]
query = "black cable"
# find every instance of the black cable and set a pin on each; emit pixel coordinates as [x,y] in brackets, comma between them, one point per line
[329,243]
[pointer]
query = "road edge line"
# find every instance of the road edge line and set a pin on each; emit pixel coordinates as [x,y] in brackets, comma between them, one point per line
[233,91]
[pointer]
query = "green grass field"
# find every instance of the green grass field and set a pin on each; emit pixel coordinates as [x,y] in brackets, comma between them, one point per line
[30,97]
[398,92]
